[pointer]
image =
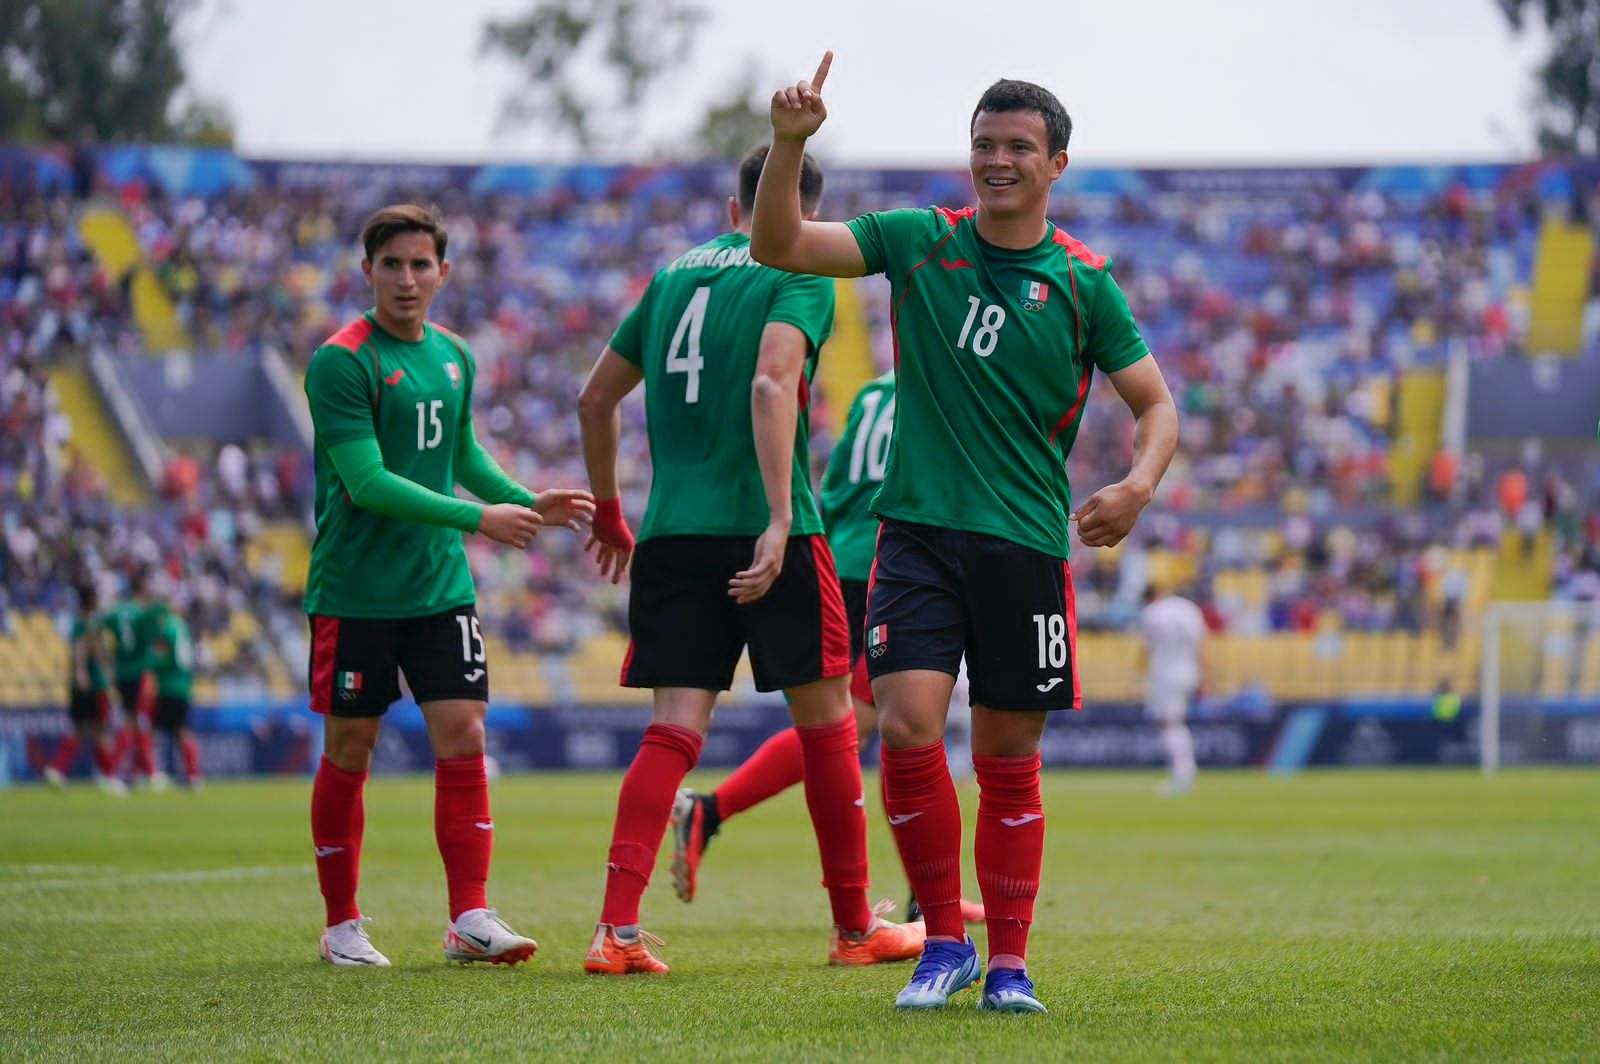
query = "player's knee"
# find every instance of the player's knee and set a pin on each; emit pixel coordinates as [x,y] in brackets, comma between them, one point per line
[900,729]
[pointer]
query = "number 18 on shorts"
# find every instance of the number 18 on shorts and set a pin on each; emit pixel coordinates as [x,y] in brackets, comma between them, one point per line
[939,593]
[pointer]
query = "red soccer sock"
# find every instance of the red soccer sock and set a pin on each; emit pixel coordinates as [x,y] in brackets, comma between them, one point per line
[920,800]
[338,820]
[1010,848]
[120,746]
[66,754]
[189,748]
[464,830]
[144,752]
[104,759]
[838,815]
[772,769]
[666,754]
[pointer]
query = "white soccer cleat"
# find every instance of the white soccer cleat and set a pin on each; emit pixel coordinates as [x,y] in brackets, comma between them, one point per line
[347,946]
[159,782]
[54,778]
[111,785]
[480,935]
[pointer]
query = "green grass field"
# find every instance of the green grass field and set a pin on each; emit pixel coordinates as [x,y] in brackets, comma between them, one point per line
[1335,916]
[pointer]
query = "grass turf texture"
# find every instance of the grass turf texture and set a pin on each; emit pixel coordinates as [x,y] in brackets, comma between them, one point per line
[1353,915]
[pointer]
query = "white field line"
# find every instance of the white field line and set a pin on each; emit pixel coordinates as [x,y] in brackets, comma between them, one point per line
[201,876]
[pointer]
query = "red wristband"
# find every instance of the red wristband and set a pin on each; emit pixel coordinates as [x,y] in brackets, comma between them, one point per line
[610,527]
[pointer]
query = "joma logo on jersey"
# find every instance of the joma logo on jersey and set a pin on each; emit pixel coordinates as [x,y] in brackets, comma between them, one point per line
[878,640]
[349,685]
[1035,294]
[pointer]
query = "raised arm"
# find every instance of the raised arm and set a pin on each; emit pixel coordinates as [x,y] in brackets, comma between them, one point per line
[780,236]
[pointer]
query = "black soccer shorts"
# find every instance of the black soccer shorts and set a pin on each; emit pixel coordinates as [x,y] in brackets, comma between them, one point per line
[172,712]
[87,707]
[688,632]
[356,662]
[939,592]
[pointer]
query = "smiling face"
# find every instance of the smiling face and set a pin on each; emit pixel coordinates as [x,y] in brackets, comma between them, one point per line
[405,273]
[1012,165]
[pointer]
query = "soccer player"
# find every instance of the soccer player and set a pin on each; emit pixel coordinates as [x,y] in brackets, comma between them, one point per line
[129,624]
[854,472]
[172,665]
[730,554]
[88,701]
[1000,319]
[389,589]
[1173,631]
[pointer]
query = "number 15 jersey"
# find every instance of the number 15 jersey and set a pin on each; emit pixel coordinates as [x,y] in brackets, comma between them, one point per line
[696,336]
[994,350]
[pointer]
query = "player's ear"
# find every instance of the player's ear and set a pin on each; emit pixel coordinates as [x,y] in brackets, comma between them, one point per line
[366,270]
[1058,163]
[733,212]
[444,271]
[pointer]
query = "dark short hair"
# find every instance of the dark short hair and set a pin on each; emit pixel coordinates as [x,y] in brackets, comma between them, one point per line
[88,596]
[1008,95]
[750,174]
[389,222]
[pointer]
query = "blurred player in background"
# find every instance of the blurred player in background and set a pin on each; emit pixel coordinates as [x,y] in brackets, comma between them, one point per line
[1000,320]
[730,554]
[1173,632]
[88,698]
[129,624]
[389,589]
[172,666]
[854,472]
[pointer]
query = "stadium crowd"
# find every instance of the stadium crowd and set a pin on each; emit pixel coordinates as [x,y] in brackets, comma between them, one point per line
[1279,322]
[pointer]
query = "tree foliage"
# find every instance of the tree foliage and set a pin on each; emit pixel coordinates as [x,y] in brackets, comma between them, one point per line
[107,69]
[1569,79]
[586,66]
[738,121]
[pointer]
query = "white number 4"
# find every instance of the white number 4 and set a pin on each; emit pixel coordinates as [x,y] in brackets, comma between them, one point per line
[1052,640]
[692,322]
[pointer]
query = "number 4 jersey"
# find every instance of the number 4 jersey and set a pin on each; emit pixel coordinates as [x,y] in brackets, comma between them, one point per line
[414,399]
[994,349]
[696,336]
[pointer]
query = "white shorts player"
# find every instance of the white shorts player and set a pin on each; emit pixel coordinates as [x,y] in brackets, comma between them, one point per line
[1173,631]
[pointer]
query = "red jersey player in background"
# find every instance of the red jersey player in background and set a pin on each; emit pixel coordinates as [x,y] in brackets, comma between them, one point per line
[730,555]
[1000,320]
[389,589]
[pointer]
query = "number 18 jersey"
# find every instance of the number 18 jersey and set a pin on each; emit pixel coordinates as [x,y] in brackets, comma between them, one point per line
[994,350]
[696,336]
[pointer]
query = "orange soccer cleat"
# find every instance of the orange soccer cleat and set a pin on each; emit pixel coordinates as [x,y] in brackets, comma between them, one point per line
[882,943]
[610,954]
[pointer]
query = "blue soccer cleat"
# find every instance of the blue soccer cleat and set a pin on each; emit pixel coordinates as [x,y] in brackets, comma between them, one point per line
[945,968]
[1010,990]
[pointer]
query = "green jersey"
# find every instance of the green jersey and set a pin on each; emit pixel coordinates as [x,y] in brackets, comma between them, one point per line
[696,335]
[994,350]
[86,627]
[415,399]
[854,472]
[172,658]
[129,624]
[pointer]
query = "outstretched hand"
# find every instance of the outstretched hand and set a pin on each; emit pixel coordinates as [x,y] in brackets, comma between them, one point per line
[798,111]
[565,508]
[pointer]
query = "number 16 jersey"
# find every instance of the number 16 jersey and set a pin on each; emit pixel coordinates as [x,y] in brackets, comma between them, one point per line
[696,336]
[994,351]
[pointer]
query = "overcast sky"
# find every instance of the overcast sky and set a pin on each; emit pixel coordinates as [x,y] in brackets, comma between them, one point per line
[1146,81]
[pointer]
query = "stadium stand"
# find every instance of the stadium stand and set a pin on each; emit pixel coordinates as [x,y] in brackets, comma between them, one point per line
[1330,506]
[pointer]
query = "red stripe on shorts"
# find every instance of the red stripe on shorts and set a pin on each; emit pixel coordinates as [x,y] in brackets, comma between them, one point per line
[627,659]
[1071,596]
[324,644]
[835,621]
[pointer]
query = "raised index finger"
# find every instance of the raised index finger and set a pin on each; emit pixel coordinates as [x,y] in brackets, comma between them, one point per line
[822,72]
